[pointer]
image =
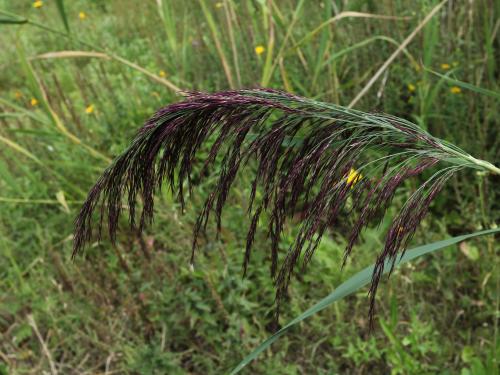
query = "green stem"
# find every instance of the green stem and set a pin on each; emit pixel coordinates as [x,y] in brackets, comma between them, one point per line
[484,164]
[481,163]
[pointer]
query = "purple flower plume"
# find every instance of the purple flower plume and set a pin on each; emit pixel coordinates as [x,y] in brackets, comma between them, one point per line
[303,152]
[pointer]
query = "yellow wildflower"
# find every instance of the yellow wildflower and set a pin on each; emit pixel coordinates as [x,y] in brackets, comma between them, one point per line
[163,74]
[18,95]
[33,102]
[89,109]
[259,50]
[82,15]
[219,5]
[455,90]
[37,4]
[353,177]
[411,87]
[445,66]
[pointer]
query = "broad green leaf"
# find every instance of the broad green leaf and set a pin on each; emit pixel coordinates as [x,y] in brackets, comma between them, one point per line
[356,282]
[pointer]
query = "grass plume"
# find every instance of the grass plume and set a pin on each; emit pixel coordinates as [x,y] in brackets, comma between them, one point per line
[341,162]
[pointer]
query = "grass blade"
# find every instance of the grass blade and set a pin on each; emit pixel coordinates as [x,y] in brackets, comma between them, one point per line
[166,14]
[354,283]
[31,114]
[37,88]
[334,56]
[17,147]
[466,85]
[342,15]
[228,11]
[62,14]
[70,54]
[218,45]
[109,56]
[11,21]
[396,53]
[271,64]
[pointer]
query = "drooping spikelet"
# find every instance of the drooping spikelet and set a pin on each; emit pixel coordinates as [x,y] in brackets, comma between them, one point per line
[335,159]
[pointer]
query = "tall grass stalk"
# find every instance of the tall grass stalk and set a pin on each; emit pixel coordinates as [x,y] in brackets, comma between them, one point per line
[218,45]
[167,16]
[230,21]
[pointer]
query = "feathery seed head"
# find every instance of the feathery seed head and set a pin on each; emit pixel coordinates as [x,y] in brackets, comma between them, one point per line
[319,154]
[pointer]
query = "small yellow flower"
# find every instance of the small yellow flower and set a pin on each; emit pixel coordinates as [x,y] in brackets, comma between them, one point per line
[259,50]
[455,90]
[18,95]
[82,15]
[219,5]
[37,4]
[90,109]
[411,87]
[163,74]
[353,177]
[445,66]
[33,102]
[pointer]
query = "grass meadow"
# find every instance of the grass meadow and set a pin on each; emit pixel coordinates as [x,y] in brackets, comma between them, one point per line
[75,89]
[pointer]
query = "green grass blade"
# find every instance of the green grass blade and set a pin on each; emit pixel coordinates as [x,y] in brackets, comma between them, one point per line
[11,21]
[167,15]
[62,14]
[356,282]
[212,25]
[37,89]
[32,114]
[365,42]
[466,85]
[271,63]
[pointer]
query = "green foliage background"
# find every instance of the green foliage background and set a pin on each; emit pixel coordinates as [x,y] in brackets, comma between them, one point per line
[137,307]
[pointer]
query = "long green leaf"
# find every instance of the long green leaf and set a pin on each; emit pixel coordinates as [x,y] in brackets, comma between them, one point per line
[356,282]
[336,55]
[218,45]
[167,15]
[62,14]
[466,85]
[12,21]
[32,114]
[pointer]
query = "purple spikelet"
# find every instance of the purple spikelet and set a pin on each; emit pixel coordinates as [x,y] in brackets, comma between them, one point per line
[304,151]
